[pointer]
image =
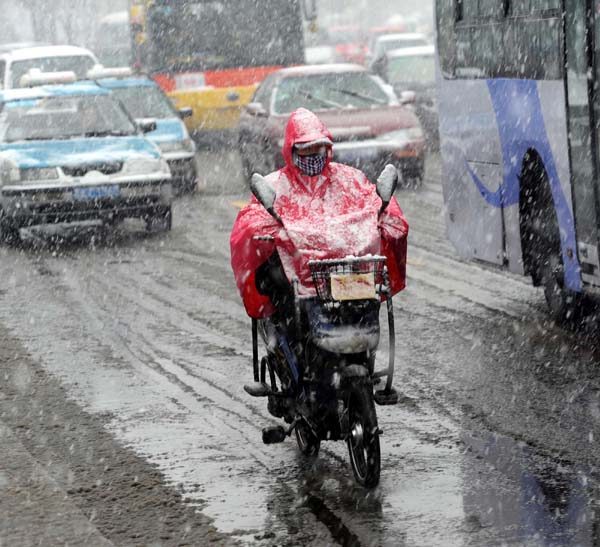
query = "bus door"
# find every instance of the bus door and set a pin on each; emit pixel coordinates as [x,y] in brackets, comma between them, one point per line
[583,110]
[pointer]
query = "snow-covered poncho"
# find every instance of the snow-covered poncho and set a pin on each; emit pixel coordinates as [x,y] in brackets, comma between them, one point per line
[332,215]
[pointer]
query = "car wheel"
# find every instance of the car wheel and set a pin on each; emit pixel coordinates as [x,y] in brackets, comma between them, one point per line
[161,220]
[9,233]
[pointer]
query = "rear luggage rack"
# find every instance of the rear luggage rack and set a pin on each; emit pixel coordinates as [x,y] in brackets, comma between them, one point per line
[322,271]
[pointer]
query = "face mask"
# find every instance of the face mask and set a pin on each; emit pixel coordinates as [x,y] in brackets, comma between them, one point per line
[312,165]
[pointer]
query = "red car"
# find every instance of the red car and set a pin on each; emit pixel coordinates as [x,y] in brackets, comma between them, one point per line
[348,43]
[370,126]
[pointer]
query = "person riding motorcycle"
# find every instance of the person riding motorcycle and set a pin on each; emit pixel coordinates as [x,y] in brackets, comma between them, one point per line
[313,193]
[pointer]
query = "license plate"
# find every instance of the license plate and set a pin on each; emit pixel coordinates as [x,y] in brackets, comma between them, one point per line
[360,286]
[96,192]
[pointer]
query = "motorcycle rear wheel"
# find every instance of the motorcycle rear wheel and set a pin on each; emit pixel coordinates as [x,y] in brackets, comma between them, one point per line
[363,438]
[308,442]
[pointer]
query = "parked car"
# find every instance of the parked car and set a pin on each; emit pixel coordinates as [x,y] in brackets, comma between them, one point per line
[413,69]
[144,99]
[16,63]
[369,125]
[388,42]
[71,153]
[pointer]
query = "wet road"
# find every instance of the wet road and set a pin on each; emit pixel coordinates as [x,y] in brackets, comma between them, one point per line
[495,443]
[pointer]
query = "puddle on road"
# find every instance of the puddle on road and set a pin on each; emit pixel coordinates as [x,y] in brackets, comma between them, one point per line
[525,498]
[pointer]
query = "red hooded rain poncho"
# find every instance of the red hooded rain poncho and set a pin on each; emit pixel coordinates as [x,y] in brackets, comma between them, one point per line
[332,215]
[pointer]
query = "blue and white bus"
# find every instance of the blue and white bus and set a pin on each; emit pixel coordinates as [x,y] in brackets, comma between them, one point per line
[519,109]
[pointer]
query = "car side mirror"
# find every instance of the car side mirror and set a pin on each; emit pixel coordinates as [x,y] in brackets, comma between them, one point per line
[386,185]
[408,97]
[147,126]
[256,109]
[265,194]
[185,112]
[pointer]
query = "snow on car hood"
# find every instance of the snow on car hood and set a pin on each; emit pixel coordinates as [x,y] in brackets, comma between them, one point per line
[74,152]
[169,130]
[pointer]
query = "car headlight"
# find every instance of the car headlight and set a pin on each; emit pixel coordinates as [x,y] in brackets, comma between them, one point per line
[404,135]
[38,174]
[145,166]
[186,145]
[9,171]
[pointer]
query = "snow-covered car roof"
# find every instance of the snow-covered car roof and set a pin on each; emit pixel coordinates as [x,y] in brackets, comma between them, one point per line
[418,51]
[116,18]
[408,36]
[76,89]
[26,53]
[309,70]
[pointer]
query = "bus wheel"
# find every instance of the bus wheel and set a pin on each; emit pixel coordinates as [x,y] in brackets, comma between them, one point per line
[563,304]
[540,239]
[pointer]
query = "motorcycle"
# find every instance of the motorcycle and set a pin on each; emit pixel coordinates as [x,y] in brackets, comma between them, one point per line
[319,373]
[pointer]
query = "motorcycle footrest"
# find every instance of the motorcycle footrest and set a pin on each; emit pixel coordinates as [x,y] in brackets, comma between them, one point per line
[384,398]
[257,389]
[273,435]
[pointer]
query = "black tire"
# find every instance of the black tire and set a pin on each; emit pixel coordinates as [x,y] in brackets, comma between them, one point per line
[564,305]
[363,437]
[9,233]
[308,443]
[411,177]
[540,240]
[163,219]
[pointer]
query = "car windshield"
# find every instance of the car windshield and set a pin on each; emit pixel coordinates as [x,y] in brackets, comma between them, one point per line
[145,102]
[79,64]
[329,91]
[64,118]
[411,69]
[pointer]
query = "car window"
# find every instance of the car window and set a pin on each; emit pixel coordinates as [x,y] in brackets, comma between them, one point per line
[2,73]
[329,91]
[145,102]
[80,64]
[264,92]
[411,69]
[64,118]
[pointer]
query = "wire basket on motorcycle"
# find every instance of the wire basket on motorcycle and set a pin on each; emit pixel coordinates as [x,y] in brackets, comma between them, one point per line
[350,278]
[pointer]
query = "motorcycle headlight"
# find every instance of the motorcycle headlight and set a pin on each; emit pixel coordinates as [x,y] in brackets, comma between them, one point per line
[403,135]
[145,166]
[186,145]
[38,174]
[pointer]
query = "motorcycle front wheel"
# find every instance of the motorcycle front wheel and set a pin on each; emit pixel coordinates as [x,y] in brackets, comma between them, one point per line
[308,442]
[363,437]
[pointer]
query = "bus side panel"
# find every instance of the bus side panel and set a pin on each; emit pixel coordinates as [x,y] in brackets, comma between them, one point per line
[474,226]
[553,101]
[496,122]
